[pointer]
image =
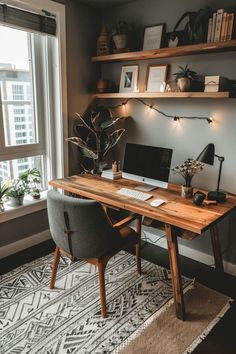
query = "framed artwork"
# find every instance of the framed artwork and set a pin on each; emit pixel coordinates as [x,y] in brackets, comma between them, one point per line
[129,78]
[153,36]
[156,78]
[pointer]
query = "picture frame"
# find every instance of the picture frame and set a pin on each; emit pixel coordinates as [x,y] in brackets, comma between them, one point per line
[129,78]
[153,36]
[156,78]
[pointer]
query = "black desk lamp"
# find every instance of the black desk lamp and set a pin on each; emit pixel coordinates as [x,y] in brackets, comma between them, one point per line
[207,156]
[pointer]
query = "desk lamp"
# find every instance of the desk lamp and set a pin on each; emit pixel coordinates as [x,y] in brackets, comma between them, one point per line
[207,156]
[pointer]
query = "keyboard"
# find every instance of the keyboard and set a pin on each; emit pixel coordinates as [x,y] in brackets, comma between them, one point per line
[134,194]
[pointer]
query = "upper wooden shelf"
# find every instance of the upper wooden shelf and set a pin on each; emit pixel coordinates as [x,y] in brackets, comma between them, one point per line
[163,95]
[169,52]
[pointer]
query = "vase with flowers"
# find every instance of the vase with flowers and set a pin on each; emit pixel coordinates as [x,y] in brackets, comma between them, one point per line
[187,170]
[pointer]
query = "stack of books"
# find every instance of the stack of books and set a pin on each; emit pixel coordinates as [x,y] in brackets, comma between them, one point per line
[221,27]
[111,174]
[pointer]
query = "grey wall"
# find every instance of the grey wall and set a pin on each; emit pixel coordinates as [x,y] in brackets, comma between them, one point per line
[187,138]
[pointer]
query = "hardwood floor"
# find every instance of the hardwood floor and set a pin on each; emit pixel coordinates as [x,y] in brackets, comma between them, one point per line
[221,340]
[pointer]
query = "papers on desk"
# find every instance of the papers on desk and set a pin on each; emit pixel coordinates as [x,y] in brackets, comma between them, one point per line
[111,175]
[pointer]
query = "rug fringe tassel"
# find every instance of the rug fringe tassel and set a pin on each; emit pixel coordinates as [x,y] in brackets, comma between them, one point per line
[204,334]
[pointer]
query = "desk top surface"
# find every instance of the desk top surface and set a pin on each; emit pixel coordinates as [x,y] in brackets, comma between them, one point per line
[176,211]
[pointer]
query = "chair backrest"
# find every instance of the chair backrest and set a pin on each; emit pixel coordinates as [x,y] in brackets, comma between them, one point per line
[80,226]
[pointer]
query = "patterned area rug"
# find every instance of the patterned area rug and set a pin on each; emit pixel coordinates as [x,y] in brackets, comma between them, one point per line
[67,319]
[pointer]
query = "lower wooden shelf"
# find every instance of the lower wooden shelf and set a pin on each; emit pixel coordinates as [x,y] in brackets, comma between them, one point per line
[163,95]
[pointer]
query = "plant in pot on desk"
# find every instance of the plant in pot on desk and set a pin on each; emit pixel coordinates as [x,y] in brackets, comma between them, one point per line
[95,138]
[187,170]
[184,78]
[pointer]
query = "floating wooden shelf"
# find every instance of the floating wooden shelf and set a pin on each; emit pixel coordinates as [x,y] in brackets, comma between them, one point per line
[204,48]
[163,95]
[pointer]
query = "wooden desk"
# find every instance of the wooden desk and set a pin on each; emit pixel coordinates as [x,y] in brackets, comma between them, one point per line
[175,212]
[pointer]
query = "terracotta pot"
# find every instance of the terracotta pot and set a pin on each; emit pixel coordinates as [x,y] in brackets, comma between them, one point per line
[102,85]
[120,41]
[184,84]
[186,192]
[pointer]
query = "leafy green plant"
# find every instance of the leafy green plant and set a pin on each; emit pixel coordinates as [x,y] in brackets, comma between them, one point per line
[120,27]
[3,193]
[95,138]
[185,72]
[27,181]
[188,169]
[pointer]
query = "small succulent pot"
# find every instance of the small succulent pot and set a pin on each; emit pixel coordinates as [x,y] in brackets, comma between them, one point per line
[186,192]
[120,41]
[16,201]
[184,84]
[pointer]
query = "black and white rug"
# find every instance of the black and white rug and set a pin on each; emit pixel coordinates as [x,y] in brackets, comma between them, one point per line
[67,319]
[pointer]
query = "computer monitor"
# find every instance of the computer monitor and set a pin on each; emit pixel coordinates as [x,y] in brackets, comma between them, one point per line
[148,164]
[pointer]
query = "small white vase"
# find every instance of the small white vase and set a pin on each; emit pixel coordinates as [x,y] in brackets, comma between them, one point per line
[186,192]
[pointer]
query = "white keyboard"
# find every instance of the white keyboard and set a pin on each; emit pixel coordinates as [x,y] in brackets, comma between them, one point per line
[134,194]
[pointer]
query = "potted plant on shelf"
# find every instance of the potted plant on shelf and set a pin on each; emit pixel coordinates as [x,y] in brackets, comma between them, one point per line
[3,193]
[119,35]
[187,170]
[184,77]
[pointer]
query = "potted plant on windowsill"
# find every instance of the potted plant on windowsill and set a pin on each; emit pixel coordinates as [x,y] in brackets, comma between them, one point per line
[187,170]
[26,183]
[16,192]
[3,193]
[184,78]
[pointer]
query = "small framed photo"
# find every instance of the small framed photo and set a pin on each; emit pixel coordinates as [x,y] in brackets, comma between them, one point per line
[129,78]
[156,78]
[153,36]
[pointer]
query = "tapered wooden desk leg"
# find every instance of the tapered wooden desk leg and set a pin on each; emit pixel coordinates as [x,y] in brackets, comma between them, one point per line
[175,272]
[216,248]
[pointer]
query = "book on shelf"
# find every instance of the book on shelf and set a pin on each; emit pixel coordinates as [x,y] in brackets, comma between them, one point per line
[209,30]
[219,18]
[223,27]
[111,174]
[231,27]
[213,27]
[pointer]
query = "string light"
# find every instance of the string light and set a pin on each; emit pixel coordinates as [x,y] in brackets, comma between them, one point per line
[151,107]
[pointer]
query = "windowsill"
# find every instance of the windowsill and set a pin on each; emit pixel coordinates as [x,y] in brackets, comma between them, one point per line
[30,206]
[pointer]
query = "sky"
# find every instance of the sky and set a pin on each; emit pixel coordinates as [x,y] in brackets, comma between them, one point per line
[13,47]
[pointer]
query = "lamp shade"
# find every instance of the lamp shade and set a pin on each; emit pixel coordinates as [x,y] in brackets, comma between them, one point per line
[207,154]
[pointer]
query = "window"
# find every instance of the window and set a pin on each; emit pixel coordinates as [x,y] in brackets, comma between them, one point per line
[30,101]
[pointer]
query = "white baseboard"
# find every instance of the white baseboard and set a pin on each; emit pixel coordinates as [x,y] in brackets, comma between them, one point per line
[186,251]
[26,242]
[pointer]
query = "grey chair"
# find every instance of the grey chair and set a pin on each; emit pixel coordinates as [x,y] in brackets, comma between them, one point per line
[81,229]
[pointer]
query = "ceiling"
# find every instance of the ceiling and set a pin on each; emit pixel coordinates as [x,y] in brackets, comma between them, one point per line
[104,3]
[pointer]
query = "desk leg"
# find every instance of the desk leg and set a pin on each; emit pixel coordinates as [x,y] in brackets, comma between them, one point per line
[216,248]
[175,272]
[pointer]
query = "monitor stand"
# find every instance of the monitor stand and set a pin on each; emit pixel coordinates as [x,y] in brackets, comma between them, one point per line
[146,187]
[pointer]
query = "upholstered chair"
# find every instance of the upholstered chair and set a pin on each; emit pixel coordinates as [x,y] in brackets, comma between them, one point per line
[81,229]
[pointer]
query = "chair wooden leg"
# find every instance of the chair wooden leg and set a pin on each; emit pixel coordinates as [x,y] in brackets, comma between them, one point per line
[138,245]
[55,266]
[101,274]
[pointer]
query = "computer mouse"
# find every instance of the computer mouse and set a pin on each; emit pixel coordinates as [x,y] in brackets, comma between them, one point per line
[157,202]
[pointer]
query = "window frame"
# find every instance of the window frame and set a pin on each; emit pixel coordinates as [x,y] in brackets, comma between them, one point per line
[57,152]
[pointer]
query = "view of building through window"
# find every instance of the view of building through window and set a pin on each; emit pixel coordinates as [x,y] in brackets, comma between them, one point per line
[17,100]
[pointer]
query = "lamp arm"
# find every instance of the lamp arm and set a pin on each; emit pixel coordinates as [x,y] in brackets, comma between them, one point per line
[221,159]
